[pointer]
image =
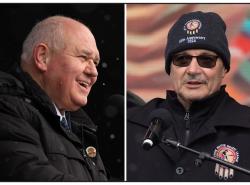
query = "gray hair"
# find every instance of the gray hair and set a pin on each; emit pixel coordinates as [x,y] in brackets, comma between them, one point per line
[48,31]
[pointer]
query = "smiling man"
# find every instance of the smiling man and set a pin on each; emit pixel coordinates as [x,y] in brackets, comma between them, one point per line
[199,113]
[39,141]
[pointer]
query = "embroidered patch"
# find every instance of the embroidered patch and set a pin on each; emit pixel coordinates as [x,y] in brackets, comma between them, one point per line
[192,27]
[229,154]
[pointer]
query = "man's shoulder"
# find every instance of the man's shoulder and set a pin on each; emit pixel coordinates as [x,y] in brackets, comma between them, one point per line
[140,113]
[13,99]
[233,104]
[232,113]
[8,79]
[149,106]
[10,86]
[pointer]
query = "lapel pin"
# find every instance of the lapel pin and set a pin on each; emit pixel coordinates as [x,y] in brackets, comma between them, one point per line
[91,151]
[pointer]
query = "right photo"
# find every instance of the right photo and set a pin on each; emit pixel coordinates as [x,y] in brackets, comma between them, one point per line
[188,92]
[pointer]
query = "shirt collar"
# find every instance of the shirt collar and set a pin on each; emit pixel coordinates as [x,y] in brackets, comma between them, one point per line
[59,113]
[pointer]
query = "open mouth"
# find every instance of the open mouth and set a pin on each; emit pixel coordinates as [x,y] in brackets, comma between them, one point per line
[83,83]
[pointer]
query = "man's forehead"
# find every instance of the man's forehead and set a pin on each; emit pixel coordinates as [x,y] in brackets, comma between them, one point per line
[83,44]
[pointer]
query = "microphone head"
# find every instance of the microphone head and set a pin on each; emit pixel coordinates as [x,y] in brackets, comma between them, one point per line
[159,120]
[147,144]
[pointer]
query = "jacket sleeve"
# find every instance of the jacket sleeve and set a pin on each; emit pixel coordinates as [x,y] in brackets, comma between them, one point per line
[21,155]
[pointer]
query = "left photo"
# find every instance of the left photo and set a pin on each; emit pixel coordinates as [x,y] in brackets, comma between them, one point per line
[62,92]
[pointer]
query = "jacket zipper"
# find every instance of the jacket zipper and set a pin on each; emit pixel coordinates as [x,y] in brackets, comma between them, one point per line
[187,126]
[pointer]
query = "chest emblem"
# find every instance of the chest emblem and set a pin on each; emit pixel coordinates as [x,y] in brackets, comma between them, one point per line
[227,153]
[91,151]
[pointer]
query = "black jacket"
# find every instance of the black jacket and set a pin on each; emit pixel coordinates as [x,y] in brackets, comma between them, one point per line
[217,125]
[33,144]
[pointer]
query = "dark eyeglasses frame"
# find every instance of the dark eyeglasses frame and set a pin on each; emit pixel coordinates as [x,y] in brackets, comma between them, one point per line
[200,59]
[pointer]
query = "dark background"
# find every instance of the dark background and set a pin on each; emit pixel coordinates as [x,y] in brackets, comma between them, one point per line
[105,104]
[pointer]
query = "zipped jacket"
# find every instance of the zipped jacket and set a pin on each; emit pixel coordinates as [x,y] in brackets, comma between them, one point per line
[216,125]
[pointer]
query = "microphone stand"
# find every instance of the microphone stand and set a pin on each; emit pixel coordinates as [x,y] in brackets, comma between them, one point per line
[204,156]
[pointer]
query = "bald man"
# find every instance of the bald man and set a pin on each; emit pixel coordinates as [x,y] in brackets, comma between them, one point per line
[38,140]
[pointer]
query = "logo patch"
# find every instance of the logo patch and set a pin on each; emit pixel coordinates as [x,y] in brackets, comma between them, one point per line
[192,27]
[229,154]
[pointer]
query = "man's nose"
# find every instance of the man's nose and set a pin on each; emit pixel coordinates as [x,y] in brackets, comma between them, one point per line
[91,69]
[194,67]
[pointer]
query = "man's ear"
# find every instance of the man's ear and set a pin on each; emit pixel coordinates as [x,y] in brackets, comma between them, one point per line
[41,55]
[223,73]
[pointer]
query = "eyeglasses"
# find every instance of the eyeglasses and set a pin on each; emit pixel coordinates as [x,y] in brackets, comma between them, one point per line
[204,60]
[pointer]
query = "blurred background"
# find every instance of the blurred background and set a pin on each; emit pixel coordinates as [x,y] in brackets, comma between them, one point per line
[105,105]
[147,28]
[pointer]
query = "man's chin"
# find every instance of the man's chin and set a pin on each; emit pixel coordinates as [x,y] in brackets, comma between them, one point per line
[193,97]
[194,94]
[81,102]
[84,102]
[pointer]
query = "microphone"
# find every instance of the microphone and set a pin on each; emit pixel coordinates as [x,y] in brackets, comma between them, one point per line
[158,123]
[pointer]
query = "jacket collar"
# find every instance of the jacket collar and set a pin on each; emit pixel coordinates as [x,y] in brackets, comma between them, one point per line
[202,105]
[138,114]
[34,91]
[41,100]
[221,111]
[219,105]
[233,114]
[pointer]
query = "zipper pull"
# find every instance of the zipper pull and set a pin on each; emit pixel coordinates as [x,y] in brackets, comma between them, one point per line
[187,131]
[186,117]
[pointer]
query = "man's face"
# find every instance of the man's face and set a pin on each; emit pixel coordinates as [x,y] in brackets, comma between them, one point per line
[72,71]
[194,82]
